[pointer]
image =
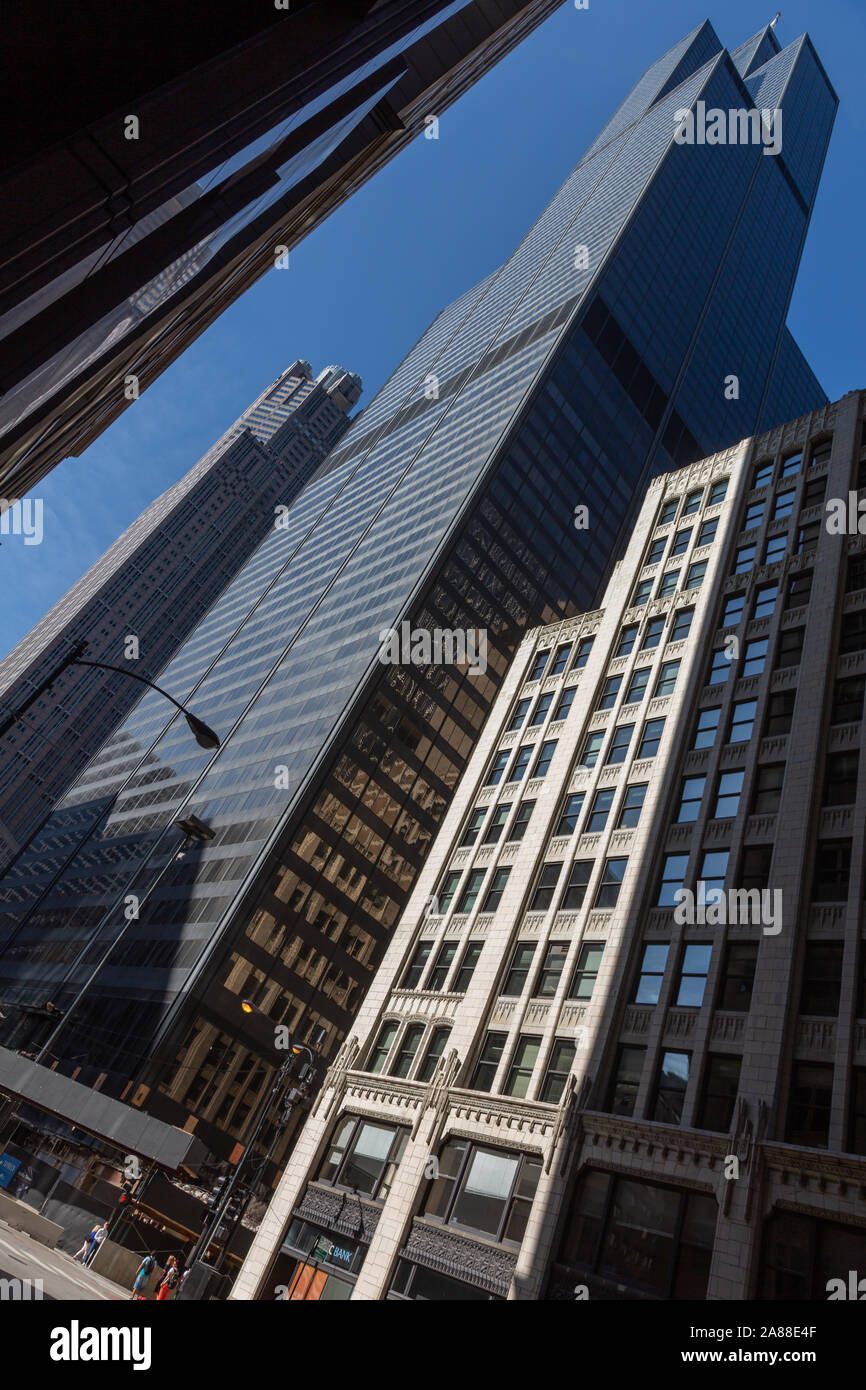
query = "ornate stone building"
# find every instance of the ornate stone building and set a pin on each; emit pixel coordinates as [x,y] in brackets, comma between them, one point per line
[617,1046]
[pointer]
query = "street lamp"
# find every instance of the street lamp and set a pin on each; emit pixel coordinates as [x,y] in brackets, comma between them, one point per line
[201,732]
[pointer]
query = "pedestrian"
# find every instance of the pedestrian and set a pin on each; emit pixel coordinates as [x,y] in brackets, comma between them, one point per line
[145,1269]
[89,1244]
[170,1282]
[99,1234]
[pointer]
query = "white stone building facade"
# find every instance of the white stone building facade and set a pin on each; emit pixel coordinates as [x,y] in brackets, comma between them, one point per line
[568,1079]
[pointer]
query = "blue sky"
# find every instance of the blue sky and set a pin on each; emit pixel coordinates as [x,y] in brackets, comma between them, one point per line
[364,285]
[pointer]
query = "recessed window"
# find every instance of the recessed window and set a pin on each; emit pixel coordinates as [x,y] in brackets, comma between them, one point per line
[642,593]
[521,821]
[692,502]
[720,667]
[807,537]
[652,633]
[754,515]
[632,804]
[498,766]
[742,721]
[570,814]
[488,1061]
[611,882]
[744,559]
[467,966]
[780,713]
[682,624]
[578,879]
[551,970]
[363,1157]
[566,700]
[626,640]
[545,887]
[447,889]
[713,870]
[668,511]
[415,968]
[733,610]
[690,799]
[668,583]
[765,600]
[763,473]
[558,1070]
[600,810]
[840,779]
[493,896]
[667,679]
[784,504]
[671,1087]
[719,1094]
[768,789]
[695,576]
[637,685]
[717,492]
[536,671]
[473,826]
[483,1190]
[518,971]
[822,979]
[656,551]
[707,532]
[382,1047]
[832,871]
[542,705]
[438,1039]
[775,548]
[681,542]
[754,657]
[848,697]
[693,975]
[609,692]
[497,822]
[522,1066]
[591,748]
[544,759]
[472,888]
[521,763]
[581,656]
[560,659]
[586,971]
[618,750]
[755,867]
[409,1044]
[728,795]
[626,1080]
[651,738]
[809,1105]
[790,649]
[521,710]
[738,976]
[792,464]
[707,727]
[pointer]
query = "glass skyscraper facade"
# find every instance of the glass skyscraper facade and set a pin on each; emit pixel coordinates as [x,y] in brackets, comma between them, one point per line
[593,359]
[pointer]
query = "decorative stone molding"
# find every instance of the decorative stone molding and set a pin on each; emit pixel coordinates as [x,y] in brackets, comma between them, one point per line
[339,1211]
[487,1266]
[335,1077]
[816,1034]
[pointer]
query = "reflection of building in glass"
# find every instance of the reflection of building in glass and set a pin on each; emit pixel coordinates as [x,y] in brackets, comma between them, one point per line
[623,1055]
[556,386]
[120,245]
[154,584]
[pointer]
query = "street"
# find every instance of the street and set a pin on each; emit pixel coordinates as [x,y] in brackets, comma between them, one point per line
[63,1278]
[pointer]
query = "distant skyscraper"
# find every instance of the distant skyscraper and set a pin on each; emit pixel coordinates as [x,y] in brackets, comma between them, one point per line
[153,585]
[598,355]
[618,1042]
[156,179]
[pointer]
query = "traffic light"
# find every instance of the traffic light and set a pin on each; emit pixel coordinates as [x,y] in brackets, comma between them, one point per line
[125,1198]
[216,1195]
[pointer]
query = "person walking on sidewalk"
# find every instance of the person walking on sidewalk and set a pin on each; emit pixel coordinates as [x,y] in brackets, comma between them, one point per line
[98,1236]
[145,1269]
[170,1282]
[89,1244]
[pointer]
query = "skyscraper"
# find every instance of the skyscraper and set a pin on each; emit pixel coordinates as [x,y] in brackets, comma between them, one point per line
[617,1046]
[136,605]
[153,181]
[598,355]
